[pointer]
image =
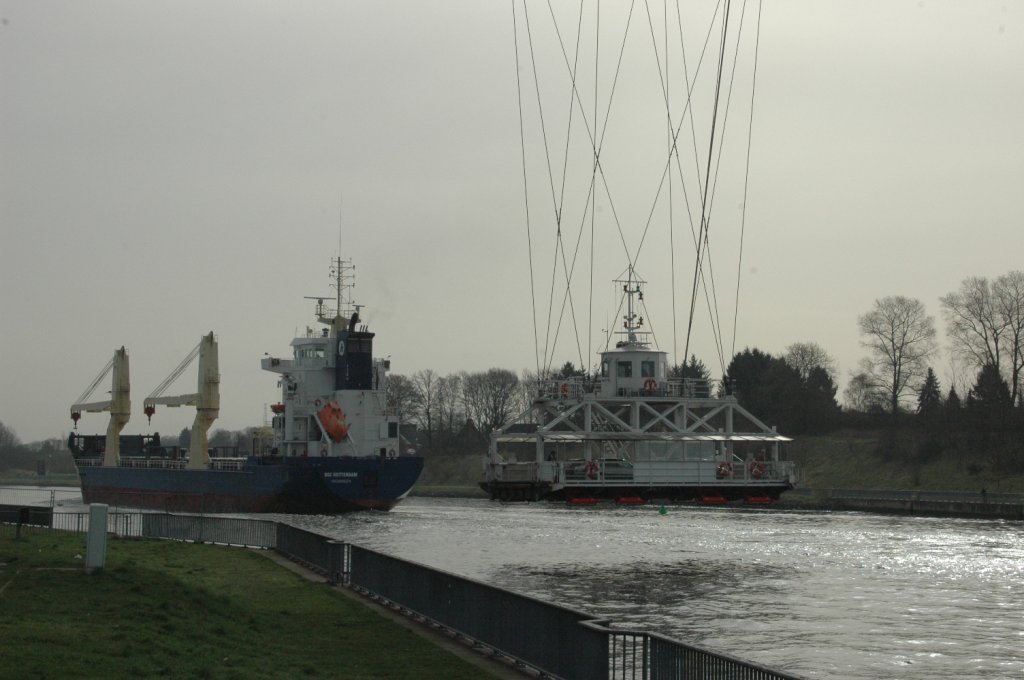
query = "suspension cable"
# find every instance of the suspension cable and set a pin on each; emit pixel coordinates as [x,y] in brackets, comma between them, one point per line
[526,193]
[746,178]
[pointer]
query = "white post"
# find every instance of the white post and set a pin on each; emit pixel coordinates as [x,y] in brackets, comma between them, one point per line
[96,539]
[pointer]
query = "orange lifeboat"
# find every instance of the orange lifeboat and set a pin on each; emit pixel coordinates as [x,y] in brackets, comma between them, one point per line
[333,419]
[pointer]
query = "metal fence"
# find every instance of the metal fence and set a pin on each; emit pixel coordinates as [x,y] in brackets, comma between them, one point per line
[326,556]
[253,533]
[941,496]
[649,656]
[536,633]
[555,641]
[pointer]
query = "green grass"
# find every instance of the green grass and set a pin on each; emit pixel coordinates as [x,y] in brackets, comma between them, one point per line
[175,610]
[853,460]
[31,478]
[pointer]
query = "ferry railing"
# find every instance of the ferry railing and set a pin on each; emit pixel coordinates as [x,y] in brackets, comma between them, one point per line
[685,388]
[669,473]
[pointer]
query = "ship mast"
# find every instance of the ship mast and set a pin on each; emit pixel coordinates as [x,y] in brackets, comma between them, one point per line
[632,322]
[343,280]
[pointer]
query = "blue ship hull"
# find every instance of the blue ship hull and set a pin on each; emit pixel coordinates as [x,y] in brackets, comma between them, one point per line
[291,485]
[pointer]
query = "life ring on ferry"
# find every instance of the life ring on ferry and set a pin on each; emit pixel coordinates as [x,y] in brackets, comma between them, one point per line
[724,470]
[317,403]
[323,451]
[564,390]
[590,468]
[392,453]
[650,385]
[757,469]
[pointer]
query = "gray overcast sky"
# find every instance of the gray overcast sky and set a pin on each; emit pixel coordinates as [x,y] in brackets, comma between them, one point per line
[171,168]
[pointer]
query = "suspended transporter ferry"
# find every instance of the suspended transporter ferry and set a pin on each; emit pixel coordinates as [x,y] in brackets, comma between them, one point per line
[335,443]
[635,435]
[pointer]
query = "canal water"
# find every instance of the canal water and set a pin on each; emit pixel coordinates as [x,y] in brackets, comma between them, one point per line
[824,595]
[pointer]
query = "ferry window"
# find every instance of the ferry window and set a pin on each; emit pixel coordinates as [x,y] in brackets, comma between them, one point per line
[604,368]
[392,430]
[646,369]
[624,369]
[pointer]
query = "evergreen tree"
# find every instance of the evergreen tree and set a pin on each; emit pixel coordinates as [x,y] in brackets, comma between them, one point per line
[569,370]
[990,389]
[821,407]
[953,400]
[929,398]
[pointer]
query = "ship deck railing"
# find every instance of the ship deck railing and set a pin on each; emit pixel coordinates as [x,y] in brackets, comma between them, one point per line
[675,388]
[219,463]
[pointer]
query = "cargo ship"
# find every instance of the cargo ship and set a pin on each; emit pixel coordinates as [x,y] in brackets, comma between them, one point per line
[335,445]
[634,434]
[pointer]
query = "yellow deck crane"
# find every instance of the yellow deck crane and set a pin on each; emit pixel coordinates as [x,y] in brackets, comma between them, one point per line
[119,404]
[206,400]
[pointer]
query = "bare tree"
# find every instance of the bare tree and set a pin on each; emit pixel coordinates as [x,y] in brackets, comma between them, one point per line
[449,415]
[8,438]
[401,396]
[985,324]
[490,398]
[1008,291]
[426,385]
[804,356]
[899,337]
[973,324]
[862,394]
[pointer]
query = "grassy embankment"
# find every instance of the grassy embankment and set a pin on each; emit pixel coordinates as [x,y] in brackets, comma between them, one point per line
[857,460]
[451,475]
[166,609]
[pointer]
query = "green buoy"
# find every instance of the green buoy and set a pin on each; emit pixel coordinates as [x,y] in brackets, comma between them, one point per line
[662,510]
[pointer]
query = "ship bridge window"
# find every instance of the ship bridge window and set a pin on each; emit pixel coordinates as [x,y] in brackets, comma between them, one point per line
[309,352]
[604,368]
[360,345]
[646,369]
[624,369]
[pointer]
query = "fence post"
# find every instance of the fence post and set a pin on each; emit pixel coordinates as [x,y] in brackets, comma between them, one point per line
[335,562]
